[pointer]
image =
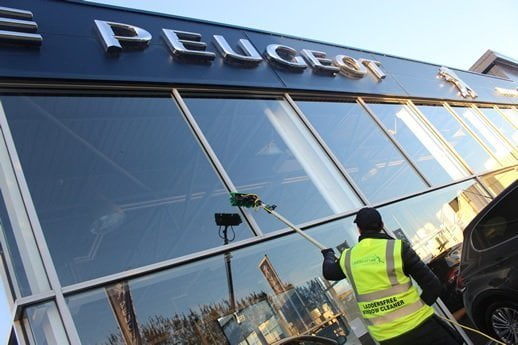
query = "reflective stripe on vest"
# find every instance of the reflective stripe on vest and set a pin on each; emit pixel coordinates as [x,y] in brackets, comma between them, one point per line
[394,307]
[406,310]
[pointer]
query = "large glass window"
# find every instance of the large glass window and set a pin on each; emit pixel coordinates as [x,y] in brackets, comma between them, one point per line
[504,126]
[466,146]
[266,150]
[117,182]
[367,155]
[423,148]
[277,292]
[435,221]
[433,224]
[499,147]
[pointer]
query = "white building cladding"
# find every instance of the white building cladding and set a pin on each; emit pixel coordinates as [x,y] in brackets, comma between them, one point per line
[123,134]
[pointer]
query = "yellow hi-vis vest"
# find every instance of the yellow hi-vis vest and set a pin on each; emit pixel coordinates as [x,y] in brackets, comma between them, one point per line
[389,303]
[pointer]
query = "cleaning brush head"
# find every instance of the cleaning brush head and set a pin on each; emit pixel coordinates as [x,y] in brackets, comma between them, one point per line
[245,200]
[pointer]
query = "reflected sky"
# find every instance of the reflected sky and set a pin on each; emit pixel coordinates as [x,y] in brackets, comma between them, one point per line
[466,146]
[142,191]
[423,149]
[500,122]
[266,151]
[367,155]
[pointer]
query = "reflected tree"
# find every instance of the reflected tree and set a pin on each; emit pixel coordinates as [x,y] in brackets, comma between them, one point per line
[198,327]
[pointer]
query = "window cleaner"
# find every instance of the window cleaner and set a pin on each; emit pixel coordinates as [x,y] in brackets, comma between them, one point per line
[248,200]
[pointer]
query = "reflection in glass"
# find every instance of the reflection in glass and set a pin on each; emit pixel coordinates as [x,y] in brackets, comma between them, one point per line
[417,141]
[433,224]
[279,293]
[461,141]
[511,114]
[499,147]
[44,325]
[501,124]
[367,155]
[267,151]
[12,258]
[117,182]
[498,181]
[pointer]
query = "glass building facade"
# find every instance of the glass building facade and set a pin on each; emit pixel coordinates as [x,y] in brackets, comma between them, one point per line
[111,179]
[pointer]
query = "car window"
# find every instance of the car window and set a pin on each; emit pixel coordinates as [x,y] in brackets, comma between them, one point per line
[500,224]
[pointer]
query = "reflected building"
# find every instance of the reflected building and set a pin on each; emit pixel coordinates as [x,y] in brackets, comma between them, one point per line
[123,133]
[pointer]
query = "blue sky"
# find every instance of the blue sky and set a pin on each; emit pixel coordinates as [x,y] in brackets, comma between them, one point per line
[453,33]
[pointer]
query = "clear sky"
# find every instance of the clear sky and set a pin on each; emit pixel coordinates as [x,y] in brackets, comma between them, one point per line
[453,33]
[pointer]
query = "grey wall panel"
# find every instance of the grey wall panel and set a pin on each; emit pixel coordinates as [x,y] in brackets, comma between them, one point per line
[72,50]
[485,86]
[421,80]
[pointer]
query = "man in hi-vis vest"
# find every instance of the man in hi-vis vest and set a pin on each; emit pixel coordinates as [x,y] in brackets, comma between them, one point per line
[379,270]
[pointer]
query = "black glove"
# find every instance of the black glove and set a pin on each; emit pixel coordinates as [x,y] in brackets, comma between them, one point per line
[328,252]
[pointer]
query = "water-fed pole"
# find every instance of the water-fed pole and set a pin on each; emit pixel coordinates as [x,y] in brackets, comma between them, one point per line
[253,201]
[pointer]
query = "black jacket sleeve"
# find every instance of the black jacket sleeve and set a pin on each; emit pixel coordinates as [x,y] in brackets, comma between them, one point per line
[413,266]
[331,268]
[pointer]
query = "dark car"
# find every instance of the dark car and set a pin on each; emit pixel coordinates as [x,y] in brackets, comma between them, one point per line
[446,268]
[489,267]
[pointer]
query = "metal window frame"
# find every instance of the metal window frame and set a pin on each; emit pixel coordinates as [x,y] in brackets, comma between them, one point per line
[58,293]
[472,133]
[505,116]
[355,188]
[213,159]
[497,132]
[38,237]
[398,146]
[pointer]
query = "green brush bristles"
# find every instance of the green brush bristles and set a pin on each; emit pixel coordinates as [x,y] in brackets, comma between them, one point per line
[244,200]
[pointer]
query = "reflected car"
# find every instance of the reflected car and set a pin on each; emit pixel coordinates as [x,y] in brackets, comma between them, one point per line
[446,268]
[489,267]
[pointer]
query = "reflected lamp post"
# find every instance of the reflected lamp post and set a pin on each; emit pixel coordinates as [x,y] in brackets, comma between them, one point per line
[228,220]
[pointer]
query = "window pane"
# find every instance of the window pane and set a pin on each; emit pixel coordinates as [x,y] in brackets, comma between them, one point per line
[500,148]
[511,115]
[12,258]
[498,181]
[44,325]
[367,155]
[417,141]
[278,293]
[265,150]
[117,182]
[501,124]
[461,141]
[433,224]
[434,221]
[499,225]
